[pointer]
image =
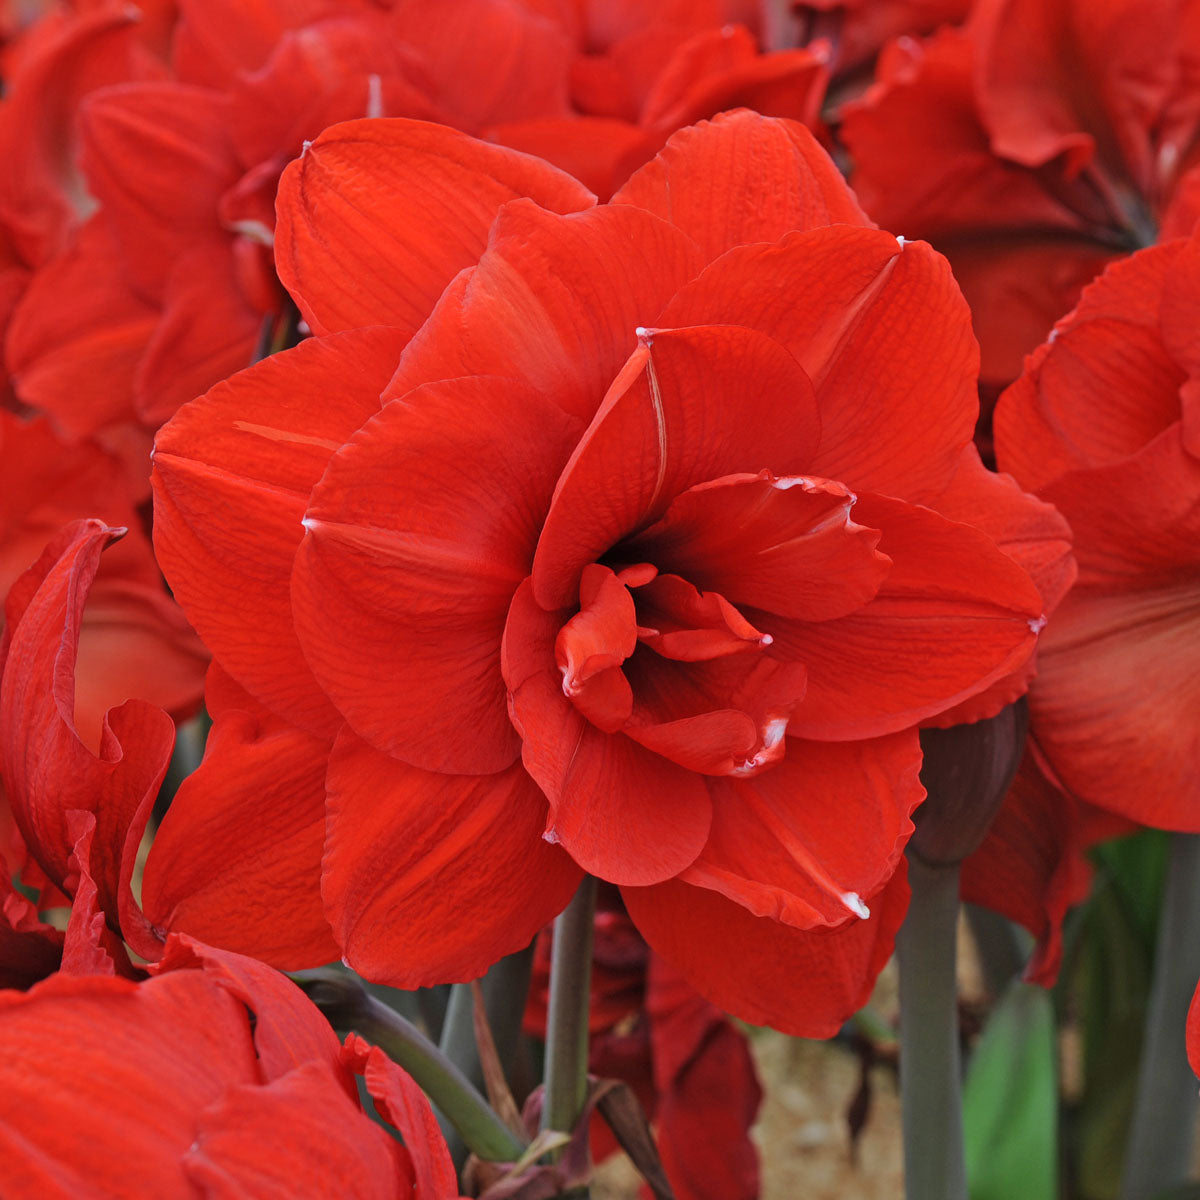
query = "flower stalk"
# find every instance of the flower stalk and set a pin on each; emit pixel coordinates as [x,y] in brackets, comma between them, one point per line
[348,1006]
[567,1021]
[930,1069]
[1162,1135]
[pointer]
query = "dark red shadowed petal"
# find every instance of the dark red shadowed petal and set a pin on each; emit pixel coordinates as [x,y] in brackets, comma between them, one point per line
[883,333]
[680,622]
[622,812]
[397,207]
[803,982]
[1031,866]
[742,178]
[555,301]
[690,405]
[237,859]
[804,841]
[431,877]
[232,477]
[416,539]
[954,615]
[785,545]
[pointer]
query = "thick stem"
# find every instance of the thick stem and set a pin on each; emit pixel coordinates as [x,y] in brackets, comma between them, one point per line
[1159,1152]
[505,991]
[567,1020]
[348,1006]
[930,1072]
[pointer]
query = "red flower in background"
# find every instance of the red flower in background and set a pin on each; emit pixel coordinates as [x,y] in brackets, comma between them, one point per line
[215,1076]
[1033,147]
[1105,424]
[166,289]
[690,1066]
[511,593]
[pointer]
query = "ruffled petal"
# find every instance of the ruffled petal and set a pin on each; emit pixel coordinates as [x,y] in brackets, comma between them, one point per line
[802,982]
[804,841]
[785,545]
[690,405]
[954,615]
[624,813]
[885,338]
[555,301]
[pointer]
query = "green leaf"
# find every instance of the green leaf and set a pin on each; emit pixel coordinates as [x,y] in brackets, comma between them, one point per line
[1010,1101]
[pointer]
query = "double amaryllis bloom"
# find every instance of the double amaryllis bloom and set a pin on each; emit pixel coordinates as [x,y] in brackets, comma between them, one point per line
[633,539]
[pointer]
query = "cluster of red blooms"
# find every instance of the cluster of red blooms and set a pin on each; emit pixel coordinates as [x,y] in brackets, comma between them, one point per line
[619,511]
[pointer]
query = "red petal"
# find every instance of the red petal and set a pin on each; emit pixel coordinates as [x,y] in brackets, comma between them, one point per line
[206,333]
[417,537]
[954,615]
[157,157]
[886,340]
[1112,346]
[554,301]
[742,178]
[77,334]
[288,1030]
[236,861]
[804,841]
[515,58]
[299,1134]
[690,405]
[786,545]
[103,1079]
[803,982]
[400,1101]
[400,206]
[623,813]
[48,771]
[431,878]
[232,477]
[1031,866]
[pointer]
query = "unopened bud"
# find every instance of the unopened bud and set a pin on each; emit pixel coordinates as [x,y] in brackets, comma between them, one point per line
[967,772]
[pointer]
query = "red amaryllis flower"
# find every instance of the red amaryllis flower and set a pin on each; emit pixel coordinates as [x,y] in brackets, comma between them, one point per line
[1105,424]
[1033,146]
[690,1066]
[217,1077]
[644,566]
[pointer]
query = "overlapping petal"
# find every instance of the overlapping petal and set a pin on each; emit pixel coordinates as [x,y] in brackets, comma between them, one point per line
[431,877]
[802,982]
[415,540]
[378,216]
[255,446]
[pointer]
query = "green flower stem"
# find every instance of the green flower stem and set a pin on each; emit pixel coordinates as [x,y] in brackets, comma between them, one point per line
[930,1072]
[348,1006]
[567,1020]
[505,991]
[1159,1152]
